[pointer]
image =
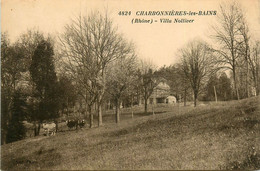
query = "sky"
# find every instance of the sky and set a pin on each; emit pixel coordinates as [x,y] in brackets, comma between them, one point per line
[156,42]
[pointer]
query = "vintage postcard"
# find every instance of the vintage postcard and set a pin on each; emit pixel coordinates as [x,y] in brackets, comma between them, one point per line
[129,85]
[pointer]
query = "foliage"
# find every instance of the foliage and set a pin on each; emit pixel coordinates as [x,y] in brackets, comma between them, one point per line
[222,86]
[11,68]
[16,130]
[45,80]
[67,92]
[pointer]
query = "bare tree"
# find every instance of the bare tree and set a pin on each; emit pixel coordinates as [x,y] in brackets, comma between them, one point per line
[148,81]
[90,43]
[254,65]
[28,41]
[228,37]
[245,51]
[197,65]
[121,74]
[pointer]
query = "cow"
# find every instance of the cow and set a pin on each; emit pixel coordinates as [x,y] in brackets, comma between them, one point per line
[49,128]
[75,123]
[81,123]
[72,123]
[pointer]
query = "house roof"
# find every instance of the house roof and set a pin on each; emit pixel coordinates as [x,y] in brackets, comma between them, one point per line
[163,86]
[162,90]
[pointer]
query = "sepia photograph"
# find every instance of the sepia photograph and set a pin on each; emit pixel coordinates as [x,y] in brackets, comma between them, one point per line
[130,85]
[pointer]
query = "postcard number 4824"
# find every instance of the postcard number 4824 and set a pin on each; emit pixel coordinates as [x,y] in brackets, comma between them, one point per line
[124,13]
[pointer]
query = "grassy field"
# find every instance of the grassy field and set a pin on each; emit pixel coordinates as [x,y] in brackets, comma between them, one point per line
[222,135]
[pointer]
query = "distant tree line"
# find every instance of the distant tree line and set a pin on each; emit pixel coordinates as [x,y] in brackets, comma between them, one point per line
[91,68]
[226,70]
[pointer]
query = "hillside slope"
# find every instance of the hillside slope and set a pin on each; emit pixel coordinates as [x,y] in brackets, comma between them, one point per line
[220,136]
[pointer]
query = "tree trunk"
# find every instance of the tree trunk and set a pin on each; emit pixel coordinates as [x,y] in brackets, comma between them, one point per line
[184,98]
[3,137]
[153,108]
[117,111]
[57,126]
[195,98]
[99,115]
[132,107]
[195,102]
[4,128]
[145,105]
[257,73]
[99,111]
[235,83]
[90,117]
[216,97]
[139,100]
[256,89]
[247,79]
[35,128]
[237,92]
[108,105]
[86,112]
[67,107]
[39,128]
[256,81]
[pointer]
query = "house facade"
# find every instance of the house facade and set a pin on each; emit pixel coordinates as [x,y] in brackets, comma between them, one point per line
[161,95]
